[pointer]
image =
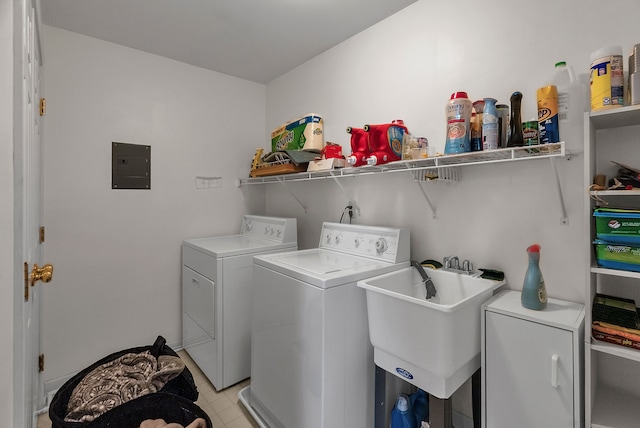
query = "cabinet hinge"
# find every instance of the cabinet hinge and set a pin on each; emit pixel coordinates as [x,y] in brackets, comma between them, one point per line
[41,363]
[41,234]
[43,106]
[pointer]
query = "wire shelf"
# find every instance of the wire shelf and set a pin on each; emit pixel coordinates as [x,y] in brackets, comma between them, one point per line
[437,162]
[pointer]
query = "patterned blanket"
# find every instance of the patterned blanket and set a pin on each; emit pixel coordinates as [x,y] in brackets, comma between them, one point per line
[118,381]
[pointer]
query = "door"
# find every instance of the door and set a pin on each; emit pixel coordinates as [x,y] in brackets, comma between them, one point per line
[529,374]
[28,191]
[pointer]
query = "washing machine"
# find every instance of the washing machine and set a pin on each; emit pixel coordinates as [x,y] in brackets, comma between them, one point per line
[216,293]
[312,362]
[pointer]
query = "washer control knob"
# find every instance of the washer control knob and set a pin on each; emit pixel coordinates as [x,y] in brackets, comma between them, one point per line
[248,226]
[381,245]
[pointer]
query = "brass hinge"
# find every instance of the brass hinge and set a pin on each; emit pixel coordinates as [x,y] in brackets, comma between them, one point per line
[41,234]
[41,363]
[43,106]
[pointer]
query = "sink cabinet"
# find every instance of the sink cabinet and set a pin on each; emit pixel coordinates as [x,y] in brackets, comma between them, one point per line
[612,372]
[531,363]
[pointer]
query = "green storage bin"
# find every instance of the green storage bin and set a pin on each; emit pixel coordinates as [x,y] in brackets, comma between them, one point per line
[618,256]
[618,225]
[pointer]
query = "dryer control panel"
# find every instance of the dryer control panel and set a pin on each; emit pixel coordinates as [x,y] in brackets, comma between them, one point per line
[272,228]
[384,243]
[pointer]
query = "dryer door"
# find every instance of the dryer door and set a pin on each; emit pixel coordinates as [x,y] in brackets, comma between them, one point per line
[199,322]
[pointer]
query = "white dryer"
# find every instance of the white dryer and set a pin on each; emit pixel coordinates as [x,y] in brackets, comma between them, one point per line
[216,293]
[312,362]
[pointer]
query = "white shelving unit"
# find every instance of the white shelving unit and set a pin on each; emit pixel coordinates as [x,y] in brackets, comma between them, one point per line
[612,372]
[447,168]
[448,161]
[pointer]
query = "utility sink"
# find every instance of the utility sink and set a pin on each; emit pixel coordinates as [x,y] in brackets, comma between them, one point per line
[433,344]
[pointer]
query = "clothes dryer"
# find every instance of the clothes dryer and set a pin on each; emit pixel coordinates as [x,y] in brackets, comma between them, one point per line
[312,362]
[216,293]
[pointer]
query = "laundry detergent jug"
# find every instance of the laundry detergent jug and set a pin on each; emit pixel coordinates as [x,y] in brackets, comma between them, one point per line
[385,142]
[359,146]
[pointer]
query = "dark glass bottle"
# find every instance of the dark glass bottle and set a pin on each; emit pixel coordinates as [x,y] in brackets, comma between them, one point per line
[515,125]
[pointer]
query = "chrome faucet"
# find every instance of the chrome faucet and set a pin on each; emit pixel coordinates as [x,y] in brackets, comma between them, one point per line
[428,283]
[452,263]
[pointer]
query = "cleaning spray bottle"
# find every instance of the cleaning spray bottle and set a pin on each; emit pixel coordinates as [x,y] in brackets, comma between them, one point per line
[534,292]
[401,415]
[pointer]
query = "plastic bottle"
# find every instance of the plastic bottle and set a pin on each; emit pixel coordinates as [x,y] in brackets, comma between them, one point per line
[476,126]
[401,415]
[503,124]
[458,124]
[385,142]
[516,138]
[571,106]
[420,406]
[359,146]
[490,125]
[607,78]
[534,292]
[548,125]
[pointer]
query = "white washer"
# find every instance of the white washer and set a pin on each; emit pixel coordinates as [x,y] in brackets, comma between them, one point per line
[216,295]
[312,362]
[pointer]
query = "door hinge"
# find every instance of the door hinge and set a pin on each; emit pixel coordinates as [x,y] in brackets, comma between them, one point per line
[41,234]
[41,363]
[43,106]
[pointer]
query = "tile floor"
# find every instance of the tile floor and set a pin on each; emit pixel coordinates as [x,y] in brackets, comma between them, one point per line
[223,407]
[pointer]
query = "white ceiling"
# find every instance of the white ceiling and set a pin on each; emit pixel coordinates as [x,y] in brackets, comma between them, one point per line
[256,40]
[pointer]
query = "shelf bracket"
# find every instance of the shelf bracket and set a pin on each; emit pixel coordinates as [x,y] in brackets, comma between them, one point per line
[434,214]
[350,198]
[564,219]
[283,182]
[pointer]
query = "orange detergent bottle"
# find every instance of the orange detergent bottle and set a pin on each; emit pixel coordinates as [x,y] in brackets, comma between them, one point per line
[359,146]
[385,142]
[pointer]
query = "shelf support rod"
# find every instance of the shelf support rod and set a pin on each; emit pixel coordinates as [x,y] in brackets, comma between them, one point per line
[564,219]
[434,214]
[283,182]
[352,201]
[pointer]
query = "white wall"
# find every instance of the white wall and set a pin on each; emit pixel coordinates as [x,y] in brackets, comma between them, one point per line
[406,67]
[7,289]
[117,252]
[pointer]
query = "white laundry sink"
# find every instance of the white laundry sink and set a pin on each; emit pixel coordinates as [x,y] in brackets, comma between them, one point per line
[433,344]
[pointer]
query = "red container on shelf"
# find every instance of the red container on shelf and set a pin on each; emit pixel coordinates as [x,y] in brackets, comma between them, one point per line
[359,146]
[385,142]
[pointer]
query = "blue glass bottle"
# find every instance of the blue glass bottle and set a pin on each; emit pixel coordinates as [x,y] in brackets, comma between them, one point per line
[534,292]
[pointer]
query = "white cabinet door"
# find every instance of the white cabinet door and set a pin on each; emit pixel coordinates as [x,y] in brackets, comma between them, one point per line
[529,374]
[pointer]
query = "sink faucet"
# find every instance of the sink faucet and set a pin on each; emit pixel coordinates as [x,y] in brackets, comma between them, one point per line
[452,263]
[428,283]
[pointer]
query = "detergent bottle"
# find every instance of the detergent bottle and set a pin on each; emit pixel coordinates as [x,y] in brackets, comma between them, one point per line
[534,292]
[385,142]
[458,124]
[359,146]
[401,415]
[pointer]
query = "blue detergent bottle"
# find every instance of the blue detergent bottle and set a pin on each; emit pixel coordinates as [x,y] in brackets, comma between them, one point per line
[401,415]
[534,292]
[420,406]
